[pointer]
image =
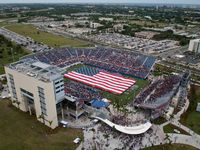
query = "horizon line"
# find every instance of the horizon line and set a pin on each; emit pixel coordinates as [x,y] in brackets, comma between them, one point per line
[160,3]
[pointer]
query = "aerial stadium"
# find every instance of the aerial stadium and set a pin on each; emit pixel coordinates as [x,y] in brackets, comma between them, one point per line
[67,84]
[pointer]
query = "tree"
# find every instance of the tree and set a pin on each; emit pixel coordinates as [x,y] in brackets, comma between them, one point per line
[9,44]
[14,101]
[42,117]
[93,130]
[107,138]
[18,103]
[50,122]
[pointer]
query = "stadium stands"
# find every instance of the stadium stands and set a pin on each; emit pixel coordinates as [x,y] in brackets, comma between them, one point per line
[158,93]
[99,58]
[82,92]
[124,62]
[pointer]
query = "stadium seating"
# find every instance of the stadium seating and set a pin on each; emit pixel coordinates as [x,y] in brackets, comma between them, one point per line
[124,62]
[82,92]
[88,71]
[113,60]
[150,96]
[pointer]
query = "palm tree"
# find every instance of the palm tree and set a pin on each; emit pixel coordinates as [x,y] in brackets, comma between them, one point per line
[167,138]
[50,122]
[113,128]
[41,117]
[93,130]
[18,103]
[107,137]
[14,101]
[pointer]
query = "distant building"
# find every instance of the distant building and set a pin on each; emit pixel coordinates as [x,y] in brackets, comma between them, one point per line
[85,14]
[145,34]
[95,25]
[194,45]
[105,19]
[40,19]
[119,27]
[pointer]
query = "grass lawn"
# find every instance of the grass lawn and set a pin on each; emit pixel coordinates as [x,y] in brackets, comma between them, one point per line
[191,117]
[171,147]
[45,37]
[159,121]
[170,129]
[127,96]
[4,23]
[20,131]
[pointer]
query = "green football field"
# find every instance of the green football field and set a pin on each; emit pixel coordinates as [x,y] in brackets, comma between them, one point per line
[124,98]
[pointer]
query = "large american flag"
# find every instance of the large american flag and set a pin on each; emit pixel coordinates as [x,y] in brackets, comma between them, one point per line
[103,80]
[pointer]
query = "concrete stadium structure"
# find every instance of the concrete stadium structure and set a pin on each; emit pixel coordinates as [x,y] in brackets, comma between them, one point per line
[36,87]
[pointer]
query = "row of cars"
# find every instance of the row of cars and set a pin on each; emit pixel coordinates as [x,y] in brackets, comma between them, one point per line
[134,43]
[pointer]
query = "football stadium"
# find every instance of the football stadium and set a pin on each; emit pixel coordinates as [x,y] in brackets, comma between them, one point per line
[64,85]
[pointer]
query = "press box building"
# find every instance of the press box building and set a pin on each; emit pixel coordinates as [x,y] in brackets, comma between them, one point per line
[37,88]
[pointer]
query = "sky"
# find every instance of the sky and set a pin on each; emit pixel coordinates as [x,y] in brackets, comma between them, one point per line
[104,1]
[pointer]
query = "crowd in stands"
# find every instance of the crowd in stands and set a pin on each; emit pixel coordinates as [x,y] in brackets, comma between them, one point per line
[124,62]
[156,90]
[82,92]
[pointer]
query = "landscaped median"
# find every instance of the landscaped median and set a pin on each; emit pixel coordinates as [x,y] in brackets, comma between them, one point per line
[170,128]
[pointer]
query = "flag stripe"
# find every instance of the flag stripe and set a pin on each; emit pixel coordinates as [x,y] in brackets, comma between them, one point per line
[93,81]
[114,80]
[116,77]
[93,84]
[103,80]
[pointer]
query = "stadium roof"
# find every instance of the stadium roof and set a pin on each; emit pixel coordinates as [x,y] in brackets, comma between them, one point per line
[37,69]
[41,65]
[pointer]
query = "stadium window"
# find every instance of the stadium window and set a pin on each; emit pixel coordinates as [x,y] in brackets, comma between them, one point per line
[57,87]
[57,92]
[56,82]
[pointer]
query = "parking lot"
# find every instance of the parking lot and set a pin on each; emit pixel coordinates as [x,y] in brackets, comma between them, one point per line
[134,43]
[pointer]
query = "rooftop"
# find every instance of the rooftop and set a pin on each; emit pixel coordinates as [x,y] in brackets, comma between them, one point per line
[37,69]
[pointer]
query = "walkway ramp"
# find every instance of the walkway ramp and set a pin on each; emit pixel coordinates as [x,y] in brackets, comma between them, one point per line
[135,130]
